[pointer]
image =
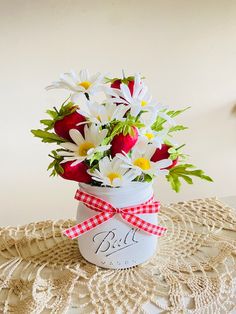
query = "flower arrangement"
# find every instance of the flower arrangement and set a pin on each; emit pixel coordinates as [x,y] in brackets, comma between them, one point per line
[111,132]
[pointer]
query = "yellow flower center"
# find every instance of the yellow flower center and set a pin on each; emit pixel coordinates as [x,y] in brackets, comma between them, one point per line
[142,163]
[85,84]
[143,103]
[113,175]
[149,135]
[83,149]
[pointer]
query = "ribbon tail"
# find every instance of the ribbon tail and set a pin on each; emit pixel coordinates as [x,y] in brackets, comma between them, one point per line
[144,225]
[85,226]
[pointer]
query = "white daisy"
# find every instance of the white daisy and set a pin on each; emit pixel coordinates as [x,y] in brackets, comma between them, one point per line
[140,160]
[78,83]
[111,173]
[157,138]
[102,114]
[84,147]
[140,100]
[150,136]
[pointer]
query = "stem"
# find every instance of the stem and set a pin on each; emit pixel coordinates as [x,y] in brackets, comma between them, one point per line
[58,158]
[52,156]
[56,110]
[123,73]
[180,147]
[138,116]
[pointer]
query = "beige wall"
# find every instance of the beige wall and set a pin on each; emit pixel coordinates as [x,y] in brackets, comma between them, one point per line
[185,48]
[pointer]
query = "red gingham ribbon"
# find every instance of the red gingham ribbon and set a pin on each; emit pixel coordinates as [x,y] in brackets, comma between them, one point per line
[107,211]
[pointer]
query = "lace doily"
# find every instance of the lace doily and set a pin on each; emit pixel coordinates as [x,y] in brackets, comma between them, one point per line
[193,270]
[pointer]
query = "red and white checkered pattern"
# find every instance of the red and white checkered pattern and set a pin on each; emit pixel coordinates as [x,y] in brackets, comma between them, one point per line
[107,211]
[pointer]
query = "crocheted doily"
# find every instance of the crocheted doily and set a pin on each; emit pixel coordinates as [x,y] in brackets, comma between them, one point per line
[193,270]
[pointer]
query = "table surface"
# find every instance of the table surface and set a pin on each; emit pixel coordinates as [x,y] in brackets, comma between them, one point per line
[150,308]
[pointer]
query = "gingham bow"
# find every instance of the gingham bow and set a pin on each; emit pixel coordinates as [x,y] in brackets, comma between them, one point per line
[107,211]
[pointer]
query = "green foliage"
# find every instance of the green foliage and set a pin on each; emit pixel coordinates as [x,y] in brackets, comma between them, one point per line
[175,153]
[147,178]
[55,164]
[110,80]
[52,113]
[125,127]
[55,114]
[95,158]
[175,113]
[48,123]
[158,125]
[177,128]
[124,80]
[48,137]
[93,165]
[184,172]
[143,177]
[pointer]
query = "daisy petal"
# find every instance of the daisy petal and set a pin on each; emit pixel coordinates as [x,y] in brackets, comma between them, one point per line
[69,146]
[76,136]
[164,163]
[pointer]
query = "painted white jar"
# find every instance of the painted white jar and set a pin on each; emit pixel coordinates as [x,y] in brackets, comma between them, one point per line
[115,243]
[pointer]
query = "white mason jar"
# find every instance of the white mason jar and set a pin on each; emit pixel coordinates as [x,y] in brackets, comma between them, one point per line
[116,243]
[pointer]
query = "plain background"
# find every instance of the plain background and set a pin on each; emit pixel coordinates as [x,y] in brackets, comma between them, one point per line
[187,51]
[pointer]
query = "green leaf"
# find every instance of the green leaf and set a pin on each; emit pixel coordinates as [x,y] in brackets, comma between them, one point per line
[49,124]
[46,122]
[173,156]
[55,164]
[175,152]
[124,80]
[184,172]
[147,178]
[175,113]
[174,182]
[177,128]
[59,169]
[158,125]
[67,109]
[51,165]
[48,137]
[53,114]
[93,166]
[125,127]
[109,80]
[96,157]
[187,179]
